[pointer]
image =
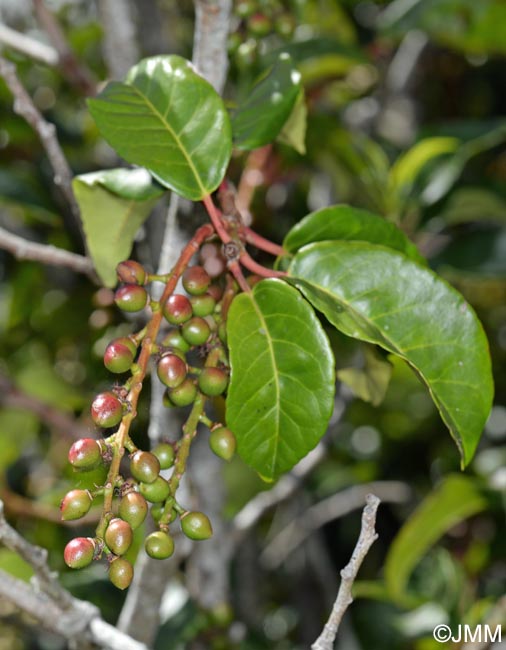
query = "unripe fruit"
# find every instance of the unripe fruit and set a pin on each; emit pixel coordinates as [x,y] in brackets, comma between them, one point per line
[196,525]
[159,545]
[196,280]
[165,454]
[75,504]
[259,25]
[131,272]
[133,509]
[183,395]
[196,331]
[222,332]
[121,573]
[79,552]
[213,381]
[118,536]
[144,466]
[203,305]
[171,370]
[85,454]
[223,443]
[131,297]
[118,356]
[155,492]
[106,410]
[285,25]
[177,309]
[174,339]
[245,8]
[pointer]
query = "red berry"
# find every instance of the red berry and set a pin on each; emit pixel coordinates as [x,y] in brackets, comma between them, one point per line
[106,410]
[177,309]
[144,466]
[79,552]
[133,509]
[196,280]
[215,291]
[85,453]
[121,573]
[159,545]
[131,272]
[171,370]
[75,504]
[118,356]
[196,331]
[118,536]
[213,381]
[196,525]
[223,443]
[131,297]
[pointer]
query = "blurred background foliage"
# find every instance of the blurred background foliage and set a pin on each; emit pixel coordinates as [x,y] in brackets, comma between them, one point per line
[405,117]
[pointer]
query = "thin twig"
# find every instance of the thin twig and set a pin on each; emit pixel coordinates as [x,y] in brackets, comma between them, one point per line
[23,249]
[28,46]
[344,598]
[119,44]
[212,24]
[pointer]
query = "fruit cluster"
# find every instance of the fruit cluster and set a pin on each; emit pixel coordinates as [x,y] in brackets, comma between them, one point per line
[196,330]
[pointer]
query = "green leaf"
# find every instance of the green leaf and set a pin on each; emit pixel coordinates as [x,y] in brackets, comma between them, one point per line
[114,204]
[294,131]
[453,501]
[281,391]
[378,295]
[370,383]
[260,119]
[344,222]
[167,118]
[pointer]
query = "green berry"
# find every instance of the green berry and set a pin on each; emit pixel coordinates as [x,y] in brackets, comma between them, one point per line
[133,509]
[159,545]
[121,573]
[118,356]
[183,395]
[245,8]
[85,454]
[203,305]
[222,332]
[259,25]
[144,466]
[75,504]
[285,25]
[156,491]
[196,331]
[223,443]
[106,410]
[79,552]
[131,297]
[213,381]
[196,525]
[171,370]
[174,339]
[177,309]
[165,454]
[118,536]
[196,280]
[131,272]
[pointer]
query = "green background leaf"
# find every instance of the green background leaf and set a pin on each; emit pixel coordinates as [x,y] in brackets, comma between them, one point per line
[170,120]
[370,382]
[281,392]
[111,220]
[293,132]
[378,295]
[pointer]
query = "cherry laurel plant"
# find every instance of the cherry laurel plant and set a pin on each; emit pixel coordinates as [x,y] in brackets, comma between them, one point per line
[240,330]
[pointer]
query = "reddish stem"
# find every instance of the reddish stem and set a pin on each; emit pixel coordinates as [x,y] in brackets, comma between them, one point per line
[236,271]
[247,261]
[215,217]
[263,244]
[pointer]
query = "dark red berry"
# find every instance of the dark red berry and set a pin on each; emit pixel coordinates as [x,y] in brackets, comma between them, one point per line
[144,466]
[131,272]
[196,331]
[106,410]
[177,309]
[79,552]
[216,292]
[223,443]
[155,492]
[118,536]
[196,525]
[75,504]
[159,545]
[85,453]
[174,339]
[131,297]
[118,356]
[121,573]
[203,305]
[133,509]
[183,395]
[165,454]
[213,381]
[171,370]
[196,280]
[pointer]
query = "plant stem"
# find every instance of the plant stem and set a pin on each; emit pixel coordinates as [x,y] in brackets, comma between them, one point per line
[254,267]
[264,244]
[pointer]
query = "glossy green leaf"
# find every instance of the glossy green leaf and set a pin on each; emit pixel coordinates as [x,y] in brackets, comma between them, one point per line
[281,391]
[344,222]
[294,131]
[262,116]
[456,499]
[114,204]
[167,118]
[378,295]
[371,381]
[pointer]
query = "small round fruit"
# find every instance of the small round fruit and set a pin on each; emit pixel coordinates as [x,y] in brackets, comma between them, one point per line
[196,280]
[245,8]
[223,443]
[159,545]
[196,525]
[133,509]
[121,573]
[85,454]
[177,309]
[183,395]
[144,466]
[222,332]
[155,492]
[213,381]
[215,291]
[75,504]
[131,272]
[131,297]
[118,536]
[203,305]
[79,552]
[106,410]
[196,331]
[259,25]
[118,356]
[171,370]
[165,454]
[285,25]
[174,339]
